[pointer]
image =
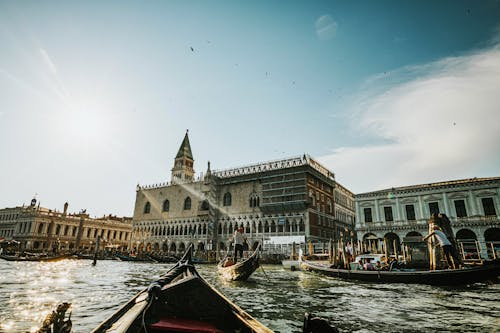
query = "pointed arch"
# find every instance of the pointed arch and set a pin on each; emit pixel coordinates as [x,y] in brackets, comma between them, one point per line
[147,208]
[187,203]
[166,205]
[227,201]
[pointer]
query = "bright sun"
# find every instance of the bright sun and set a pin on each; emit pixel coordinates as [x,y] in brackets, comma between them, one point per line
[87,125]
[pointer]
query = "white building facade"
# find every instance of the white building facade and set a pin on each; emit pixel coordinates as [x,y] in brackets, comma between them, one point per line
[41,229]
[472,205]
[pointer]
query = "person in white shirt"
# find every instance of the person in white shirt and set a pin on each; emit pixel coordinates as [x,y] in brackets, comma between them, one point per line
[445,244]
[238,243]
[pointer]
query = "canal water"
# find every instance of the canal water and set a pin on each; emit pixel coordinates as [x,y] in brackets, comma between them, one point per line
[30,290]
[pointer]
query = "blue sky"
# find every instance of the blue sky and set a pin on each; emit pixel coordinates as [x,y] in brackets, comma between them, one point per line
[95,96]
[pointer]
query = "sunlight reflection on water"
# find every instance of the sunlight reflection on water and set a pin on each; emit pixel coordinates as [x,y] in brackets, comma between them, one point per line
[29,291]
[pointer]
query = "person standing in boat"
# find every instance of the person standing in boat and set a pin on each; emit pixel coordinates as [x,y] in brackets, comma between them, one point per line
[445,244]
[238,239]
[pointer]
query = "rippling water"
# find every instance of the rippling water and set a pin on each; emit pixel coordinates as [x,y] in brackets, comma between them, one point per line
[30,290]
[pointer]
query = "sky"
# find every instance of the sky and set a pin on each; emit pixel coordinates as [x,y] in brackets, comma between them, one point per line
[96,96]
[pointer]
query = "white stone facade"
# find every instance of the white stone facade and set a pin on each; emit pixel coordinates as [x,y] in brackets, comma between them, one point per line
[40,229]
[472,205]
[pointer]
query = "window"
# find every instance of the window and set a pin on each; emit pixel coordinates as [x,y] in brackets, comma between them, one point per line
[254,201]
[410,212]
[166,205]
[227,199]
[40,228]
[368,214]
[489,207]
[147,208]
[388,214]
[433,208]
[187,203]
[205,205]
[460,208]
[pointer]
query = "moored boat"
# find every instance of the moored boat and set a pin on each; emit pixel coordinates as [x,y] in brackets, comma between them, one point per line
[241,270]
[124,257]
[180,301]
[35,257]
[163,259]
[467,275]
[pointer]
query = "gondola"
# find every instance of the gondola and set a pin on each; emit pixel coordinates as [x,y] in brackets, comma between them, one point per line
[180,301]
[35,257]
[123,257]
[163,259]
[486,272]
[239,271]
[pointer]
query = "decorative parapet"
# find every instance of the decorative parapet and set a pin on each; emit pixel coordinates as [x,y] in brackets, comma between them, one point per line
[391,192]
[153,186]
[275,165]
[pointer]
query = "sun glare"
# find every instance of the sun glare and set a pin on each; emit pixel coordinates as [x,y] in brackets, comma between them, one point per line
[85,125]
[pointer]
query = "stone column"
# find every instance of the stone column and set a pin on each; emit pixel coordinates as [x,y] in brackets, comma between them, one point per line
[421,208]
[473,204]
[376,218]
[358,214]
[397,216]
[446,205]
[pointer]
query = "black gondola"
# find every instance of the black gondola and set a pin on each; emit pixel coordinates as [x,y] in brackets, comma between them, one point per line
[240,270]
[163,259]
[124,257]
[180,301]
[487,272]
[35,257]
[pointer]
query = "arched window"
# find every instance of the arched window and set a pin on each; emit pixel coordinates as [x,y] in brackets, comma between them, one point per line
[147,208]
[205,205]
[254,200]
[187,203]
[227,199]
[166,206]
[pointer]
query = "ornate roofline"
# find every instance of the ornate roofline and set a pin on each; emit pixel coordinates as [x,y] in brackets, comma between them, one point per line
[429,186]
[275,165]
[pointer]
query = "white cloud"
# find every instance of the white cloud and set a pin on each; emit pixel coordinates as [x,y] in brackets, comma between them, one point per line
[48,62]
[435,122]
[326,27]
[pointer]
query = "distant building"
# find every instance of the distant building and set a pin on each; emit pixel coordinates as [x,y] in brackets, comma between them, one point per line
[37,228]
[472,205]
[277,203]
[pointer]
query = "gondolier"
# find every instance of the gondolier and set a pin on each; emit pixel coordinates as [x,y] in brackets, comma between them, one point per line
[238,239]
[445,244]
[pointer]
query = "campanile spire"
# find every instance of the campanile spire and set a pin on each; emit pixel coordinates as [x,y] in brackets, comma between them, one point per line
[183,164]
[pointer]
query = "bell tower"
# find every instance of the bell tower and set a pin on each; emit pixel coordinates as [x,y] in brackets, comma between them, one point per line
[183,164]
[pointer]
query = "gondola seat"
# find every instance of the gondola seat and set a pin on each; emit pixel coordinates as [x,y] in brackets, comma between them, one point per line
[183,325]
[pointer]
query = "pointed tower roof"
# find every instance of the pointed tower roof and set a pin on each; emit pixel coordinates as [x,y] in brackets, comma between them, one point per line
[185,148]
